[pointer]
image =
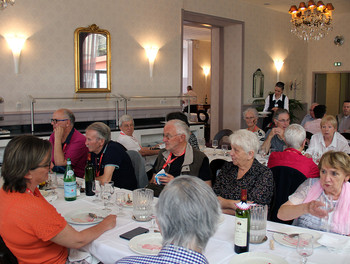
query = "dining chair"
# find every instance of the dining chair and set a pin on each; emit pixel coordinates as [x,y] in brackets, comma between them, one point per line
[215,167]
[139,166]
[287,180]
[222,137]
[6,256]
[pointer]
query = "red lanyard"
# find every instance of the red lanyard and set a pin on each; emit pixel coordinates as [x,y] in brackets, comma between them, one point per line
[100,162]
[169,161]
[122,133]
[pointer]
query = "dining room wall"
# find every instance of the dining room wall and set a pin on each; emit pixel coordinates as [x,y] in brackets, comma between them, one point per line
[47,59]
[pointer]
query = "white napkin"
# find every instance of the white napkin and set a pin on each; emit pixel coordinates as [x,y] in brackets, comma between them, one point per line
[335,244]
[79,254]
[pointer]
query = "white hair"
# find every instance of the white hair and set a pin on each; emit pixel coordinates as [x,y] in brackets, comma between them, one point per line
[245,139]
[294,136]
[125,118]
[181,127]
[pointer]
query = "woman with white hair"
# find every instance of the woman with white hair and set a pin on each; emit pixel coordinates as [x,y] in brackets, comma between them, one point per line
[244,172]
[251,117]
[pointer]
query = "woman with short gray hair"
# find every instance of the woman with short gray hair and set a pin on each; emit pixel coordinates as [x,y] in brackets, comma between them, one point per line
[244,172]
[251,116]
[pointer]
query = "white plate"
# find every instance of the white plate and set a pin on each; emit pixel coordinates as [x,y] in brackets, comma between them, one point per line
[146,244]
[257,258]
[49,195]
[292,242]
[82,217]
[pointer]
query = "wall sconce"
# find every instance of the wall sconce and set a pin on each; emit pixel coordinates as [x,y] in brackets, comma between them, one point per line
[206,71]
[278,65]
[151,53]
[16,44]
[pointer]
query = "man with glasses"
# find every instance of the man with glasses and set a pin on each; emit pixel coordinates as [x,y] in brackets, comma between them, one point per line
[274,139]
[178,157]
[344,118]
[67,142]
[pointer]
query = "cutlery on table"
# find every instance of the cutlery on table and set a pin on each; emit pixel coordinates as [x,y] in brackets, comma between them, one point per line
[282,233]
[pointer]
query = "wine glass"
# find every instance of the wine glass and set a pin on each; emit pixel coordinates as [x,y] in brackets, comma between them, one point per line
[214,144]
[225,149]
[106,194]
[316,156]
[120,199]
[97,189]
[305,246]
[327,200]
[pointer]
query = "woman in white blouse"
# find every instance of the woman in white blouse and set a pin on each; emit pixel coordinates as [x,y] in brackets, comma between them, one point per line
[328,139]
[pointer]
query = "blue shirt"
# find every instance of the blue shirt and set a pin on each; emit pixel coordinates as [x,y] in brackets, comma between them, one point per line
[168,255]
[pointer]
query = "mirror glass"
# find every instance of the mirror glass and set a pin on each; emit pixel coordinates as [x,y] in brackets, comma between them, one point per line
[258,84]
[92,60]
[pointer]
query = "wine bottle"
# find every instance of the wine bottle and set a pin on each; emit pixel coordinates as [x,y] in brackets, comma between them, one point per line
[70,183]
[89,177]
[242,226]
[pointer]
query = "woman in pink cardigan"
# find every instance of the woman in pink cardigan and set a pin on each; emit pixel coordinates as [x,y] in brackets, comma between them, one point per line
[307,204]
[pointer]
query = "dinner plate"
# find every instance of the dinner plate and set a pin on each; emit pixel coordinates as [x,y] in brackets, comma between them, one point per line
[146,244]
[292,242]
[82,217]
[257,258]
[49,195]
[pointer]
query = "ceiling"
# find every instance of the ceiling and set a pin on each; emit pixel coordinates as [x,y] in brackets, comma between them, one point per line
[340,6]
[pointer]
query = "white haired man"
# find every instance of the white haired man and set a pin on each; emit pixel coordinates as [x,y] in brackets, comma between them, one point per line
[184,199]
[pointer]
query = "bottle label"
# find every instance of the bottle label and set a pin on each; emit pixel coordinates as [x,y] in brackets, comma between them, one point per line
[70,173]
[70,189]
[241,230]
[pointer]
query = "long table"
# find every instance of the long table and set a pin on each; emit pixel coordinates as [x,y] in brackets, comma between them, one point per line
[109,247]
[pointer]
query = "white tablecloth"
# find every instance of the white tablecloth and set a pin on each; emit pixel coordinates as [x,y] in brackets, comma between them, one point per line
[109,247]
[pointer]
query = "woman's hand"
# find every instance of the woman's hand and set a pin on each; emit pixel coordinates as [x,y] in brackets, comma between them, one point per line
[314,209]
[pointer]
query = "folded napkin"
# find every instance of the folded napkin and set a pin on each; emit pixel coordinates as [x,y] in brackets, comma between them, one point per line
[80,254]
[335,243]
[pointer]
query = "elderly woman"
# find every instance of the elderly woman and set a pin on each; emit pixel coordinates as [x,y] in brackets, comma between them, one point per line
[274,138]
[251,118]
[243,172]
[305,205]
[30,226]
[328,139]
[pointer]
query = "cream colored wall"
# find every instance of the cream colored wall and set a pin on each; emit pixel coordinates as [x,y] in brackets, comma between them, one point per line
[201,57]
[47,60]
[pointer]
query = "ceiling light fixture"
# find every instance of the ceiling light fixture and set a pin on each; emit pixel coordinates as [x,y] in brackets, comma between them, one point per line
[4,3]
[311,22]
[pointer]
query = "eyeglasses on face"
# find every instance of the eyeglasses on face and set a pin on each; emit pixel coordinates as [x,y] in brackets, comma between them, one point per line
[57,120]
[46,165]
[284,120]
[168,136]
[249,118]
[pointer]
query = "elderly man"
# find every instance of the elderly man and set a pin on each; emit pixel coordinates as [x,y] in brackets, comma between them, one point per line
[344,118]
[274,138]
[310,116]
[126,138]
[184,199]
[295,137]
[109,157]
[67,142]
[314,126]
[178,157]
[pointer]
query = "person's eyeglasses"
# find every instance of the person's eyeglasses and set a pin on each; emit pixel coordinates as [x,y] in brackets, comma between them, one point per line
[47,165]
[57,120]
[168,136]
[283,120]
[248,118]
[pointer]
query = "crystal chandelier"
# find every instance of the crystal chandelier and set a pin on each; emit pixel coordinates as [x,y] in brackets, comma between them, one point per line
[4,3]
[312,22]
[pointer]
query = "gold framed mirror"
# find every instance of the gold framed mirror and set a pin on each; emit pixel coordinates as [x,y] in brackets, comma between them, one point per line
[92,48]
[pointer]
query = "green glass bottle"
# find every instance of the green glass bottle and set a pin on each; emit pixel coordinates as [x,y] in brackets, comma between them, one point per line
[242,226]
[70,183]
[89,177]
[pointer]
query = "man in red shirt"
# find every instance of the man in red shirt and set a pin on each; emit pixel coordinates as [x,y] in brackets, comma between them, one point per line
[292,157]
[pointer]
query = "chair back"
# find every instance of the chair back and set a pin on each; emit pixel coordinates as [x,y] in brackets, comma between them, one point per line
[139,166]
[215,167]
[6,256]
[287,180]
[222,137]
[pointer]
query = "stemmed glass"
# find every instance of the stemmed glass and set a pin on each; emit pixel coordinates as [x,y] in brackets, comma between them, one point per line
[97,189]
[120,199]
[214,144]
[225,149]
[327,200]
[305,246]
[106,194]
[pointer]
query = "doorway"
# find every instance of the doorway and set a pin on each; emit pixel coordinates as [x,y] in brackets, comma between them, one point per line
[331,90]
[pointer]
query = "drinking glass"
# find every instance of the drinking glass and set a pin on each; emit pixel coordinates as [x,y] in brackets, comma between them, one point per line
[142,204]
[106,194]
[316,156]
[305,246]
[201,144]
[97,190]
[120,199]
[214,144]
[225,149]
[327,200]
[52,181]
[258,220]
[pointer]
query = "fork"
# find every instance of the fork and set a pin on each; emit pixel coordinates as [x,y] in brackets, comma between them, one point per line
[92,215]
[282,233]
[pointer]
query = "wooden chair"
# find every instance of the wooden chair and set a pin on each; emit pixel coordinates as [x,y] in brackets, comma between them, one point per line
[222,137]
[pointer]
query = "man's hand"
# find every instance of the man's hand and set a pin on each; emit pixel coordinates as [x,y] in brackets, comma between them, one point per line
[59,132]
[166,179]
